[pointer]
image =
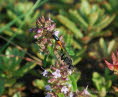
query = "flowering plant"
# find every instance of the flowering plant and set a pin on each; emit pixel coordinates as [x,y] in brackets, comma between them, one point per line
[61,81]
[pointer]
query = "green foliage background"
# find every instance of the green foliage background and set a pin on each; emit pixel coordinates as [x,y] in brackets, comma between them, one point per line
[89,28]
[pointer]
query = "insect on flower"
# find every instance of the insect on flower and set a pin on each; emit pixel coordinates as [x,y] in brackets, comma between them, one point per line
[64,55]
[113,66]
[45,28]
[58,41]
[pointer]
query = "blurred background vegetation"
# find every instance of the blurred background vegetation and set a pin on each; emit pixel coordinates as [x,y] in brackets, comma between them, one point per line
[89,28]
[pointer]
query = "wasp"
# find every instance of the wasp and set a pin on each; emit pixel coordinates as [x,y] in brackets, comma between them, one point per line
[64,55]
[66,59]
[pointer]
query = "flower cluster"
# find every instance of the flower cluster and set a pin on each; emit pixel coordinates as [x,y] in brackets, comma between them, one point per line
[44,31]
[58,74]
[58,80]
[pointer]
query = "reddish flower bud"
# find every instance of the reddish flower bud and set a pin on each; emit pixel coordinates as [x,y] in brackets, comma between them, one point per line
[113,66]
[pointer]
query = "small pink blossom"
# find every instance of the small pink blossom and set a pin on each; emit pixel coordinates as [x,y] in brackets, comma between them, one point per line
[56,74]
[39,30]
[51,27]
[35,36]
[64,90]
[85,91]
[67,79]
[45,73]
[51,80]
[71,94]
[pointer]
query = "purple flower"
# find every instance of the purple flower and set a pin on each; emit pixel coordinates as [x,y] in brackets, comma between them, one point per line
[64,90]
[56,73]
[51,27]
[35,36]
[45,73]
[48,95]
[48,88]
[39,30]
[30,30]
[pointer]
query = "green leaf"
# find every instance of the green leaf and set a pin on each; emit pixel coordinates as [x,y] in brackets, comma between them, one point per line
[13,15]
[23,70]
[79,55]
[51,50]
[60,95]
[36,5]
[111,46]
[13,62]
[39,83]
[18,94]
[31,10]
[101,84]
[73,80]
[85,7]
[93,18]
[70,52]
[103,46]
[98,81]
[113,4]
[45,61]
[104,22]
[1,86]
[108,84]
[70,25]
[76,44]
[79,18]
[2,64]
[10,81]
